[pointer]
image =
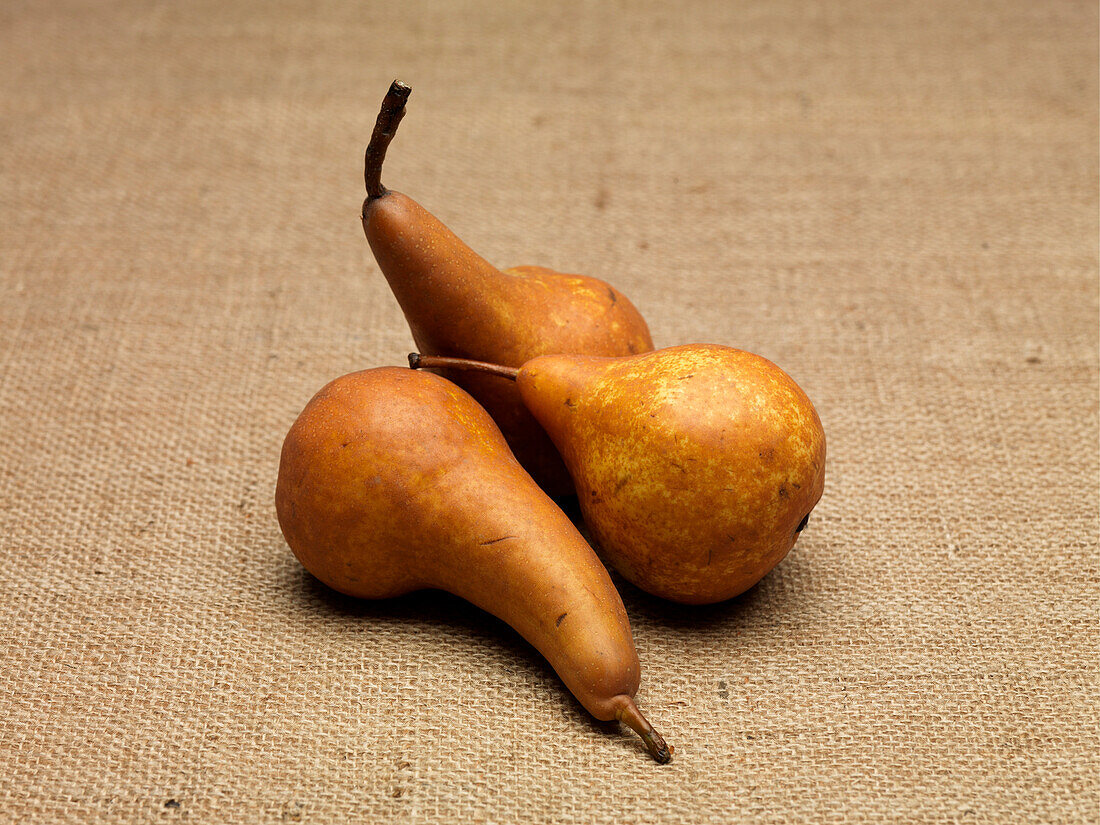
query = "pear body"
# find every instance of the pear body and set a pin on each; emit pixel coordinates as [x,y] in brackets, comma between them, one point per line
[392,481]
[696,466]
[459,305]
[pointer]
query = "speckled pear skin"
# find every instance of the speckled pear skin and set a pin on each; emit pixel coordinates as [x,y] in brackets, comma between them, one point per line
[458,304]
[695,465]
[393,480]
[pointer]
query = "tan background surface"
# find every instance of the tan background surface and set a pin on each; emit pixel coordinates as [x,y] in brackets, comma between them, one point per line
[897,202]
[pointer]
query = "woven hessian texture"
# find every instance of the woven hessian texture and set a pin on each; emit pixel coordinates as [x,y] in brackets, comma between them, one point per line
[896,202]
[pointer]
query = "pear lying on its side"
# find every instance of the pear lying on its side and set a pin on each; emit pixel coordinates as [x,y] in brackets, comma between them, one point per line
[697,466]
[392,481]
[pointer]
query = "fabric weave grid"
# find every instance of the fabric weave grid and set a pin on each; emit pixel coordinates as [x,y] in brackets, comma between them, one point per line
[896,202]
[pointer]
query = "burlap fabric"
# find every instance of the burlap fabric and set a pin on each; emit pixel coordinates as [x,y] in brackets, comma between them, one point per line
[897,202]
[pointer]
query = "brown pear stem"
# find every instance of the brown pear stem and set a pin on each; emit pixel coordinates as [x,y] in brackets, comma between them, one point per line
[627,712]
[393,109]
[431,362]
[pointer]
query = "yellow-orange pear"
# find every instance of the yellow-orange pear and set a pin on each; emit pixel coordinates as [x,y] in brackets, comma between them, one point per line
[697,466]
[458,304]
[392,481]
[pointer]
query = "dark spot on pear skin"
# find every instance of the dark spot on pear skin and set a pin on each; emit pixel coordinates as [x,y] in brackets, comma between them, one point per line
[622,482]
[782,491]
[614,297]
[685,377]
[569,402]
[767,454]
[561,619]
[494,541]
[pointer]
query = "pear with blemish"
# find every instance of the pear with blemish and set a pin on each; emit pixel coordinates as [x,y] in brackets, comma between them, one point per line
[458,304]
[392,481]
[697,466]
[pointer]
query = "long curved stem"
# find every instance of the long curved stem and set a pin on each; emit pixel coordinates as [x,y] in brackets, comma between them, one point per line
[627,712]
[393,109]
[429,362]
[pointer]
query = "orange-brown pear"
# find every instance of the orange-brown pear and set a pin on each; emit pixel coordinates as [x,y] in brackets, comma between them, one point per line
[392,481]
[458,304]
[696,466]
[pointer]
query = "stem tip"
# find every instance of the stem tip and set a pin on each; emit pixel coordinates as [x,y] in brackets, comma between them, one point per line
[442,362]
[628,713]
[389,116]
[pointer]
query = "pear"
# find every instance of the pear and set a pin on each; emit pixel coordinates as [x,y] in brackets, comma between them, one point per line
[697,466]
[392,481]
[458,304]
